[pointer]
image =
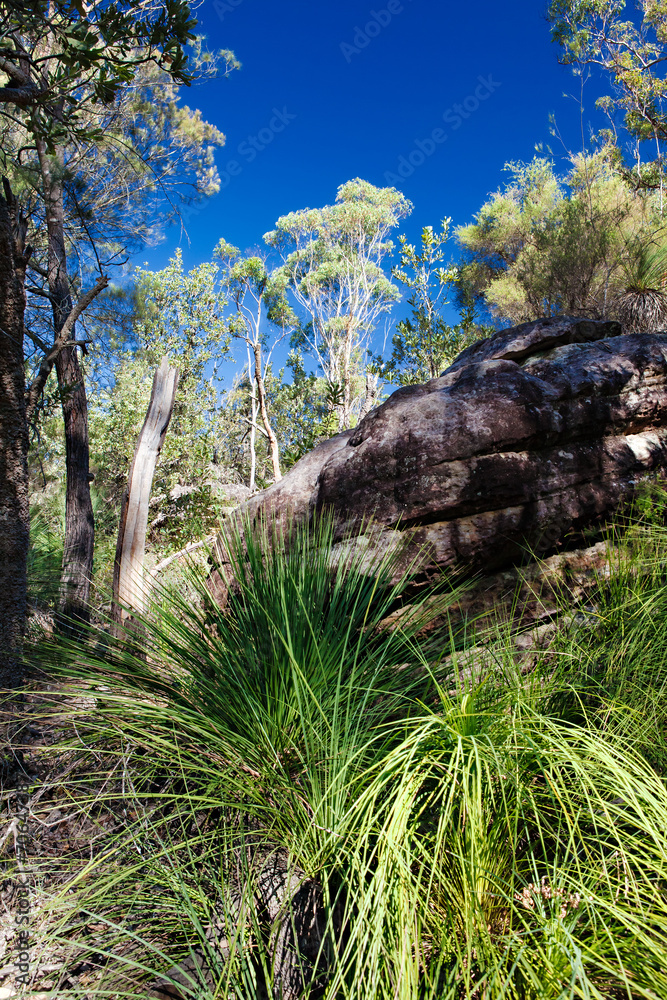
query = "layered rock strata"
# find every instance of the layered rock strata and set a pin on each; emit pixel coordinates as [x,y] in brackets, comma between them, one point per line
[533,433]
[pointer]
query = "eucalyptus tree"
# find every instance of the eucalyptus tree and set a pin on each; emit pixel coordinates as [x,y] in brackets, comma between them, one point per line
[632,51]
[333,266]
[71,70]
[259,300]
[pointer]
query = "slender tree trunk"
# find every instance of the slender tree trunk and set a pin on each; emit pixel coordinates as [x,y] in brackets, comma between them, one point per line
[79,541]
[344,413]
[77,568]
[261,396]
[253,439]
[371,394]
[14,510]
[128,576]
[253,424]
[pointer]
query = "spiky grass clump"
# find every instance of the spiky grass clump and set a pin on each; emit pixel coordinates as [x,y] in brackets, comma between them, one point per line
[314,815]
[642,303]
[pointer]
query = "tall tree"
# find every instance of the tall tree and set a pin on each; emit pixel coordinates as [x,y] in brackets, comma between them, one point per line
[259,301]
[13,440]
[333,264]
[633,53]
[65,61]
[79,522]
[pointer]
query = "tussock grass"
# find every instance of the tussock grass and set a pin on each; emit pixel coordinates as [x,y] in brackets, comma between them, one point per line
[310,806]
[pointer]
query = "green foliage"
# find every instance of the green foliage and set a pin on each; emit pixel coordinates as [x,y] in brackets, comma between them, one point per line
[475,833]
[642,303]
[425,344]
[259,299]
[303,411]
[595,33]
[545,245]
[181,315]
[98,48]
[333,259]
[45,557]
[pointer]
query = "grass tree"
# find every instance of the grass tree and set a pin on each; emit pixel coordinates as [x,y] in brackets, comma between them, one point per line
[642,300]
[311,804]
[333,265]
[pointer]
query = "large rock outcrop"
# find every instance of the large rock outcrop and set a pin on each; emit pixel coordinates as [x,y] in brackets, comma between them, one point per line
[534,432]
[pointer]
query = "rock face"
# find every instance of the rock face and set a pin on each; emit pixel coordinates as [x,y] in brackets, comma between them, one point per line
[538,430]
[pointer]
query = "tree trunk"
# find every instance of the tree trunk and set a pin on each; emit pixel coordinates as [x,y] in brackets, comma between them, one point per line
[371,394]
[77,568]
[291,907]
[253,427]
[14,510]
[346,406]
[128,589]
[261,395]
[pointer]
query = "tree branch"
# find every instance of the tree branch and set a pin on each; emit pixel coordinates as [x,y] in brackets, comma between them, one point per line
[253,423]
[16,73]
[182,552]
[23,97]
[61,341]
[38,270]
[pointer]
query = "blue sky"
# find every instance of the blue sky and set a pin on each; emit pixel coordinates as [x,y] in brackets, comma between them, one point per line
[331,91]
[318,102]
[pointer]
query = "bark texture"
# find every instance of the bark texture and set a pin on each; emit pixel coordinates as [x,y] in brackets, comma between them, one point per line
[268,429]
[128,589]
[79,539]
[14,512]
[290,907]
[539,430]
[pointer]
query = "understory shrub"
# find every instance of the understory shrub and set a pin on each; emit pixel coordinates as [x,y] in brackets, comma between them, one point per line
[308,803]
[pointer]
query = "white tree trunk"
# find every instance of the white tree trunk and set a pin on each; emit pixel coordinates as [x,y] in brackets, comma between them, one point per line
[128,583]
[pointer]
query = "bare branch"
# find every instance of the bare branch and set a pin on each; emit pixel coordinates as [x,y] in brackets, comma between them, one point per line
[61,341]
[178,555]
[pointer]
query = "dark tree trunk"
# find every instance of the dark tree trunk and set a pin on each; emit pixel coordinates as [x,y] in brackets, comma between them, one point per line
[14,511]
[79,541]
[77,566]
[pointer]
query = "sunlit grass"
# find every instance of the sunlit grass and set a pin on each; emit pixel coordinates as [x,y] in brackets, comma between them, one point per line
[313,807]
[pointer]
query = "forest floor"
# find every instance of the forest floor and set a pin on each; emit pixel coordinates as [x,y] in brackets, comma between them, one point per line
[64,831]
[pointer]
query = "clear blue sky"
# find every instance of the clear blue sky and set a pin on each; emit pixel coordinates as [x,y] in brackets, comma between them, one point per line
[352,103]
[329,91]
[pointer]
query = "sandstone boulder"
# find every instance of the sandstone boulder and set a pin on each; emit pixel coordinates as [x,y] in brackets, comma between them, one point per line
[534,432]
